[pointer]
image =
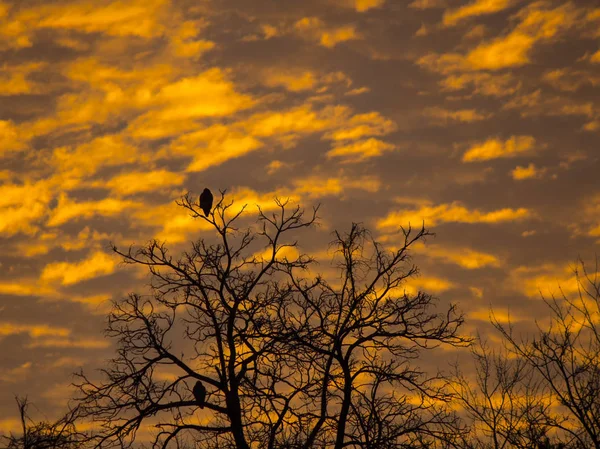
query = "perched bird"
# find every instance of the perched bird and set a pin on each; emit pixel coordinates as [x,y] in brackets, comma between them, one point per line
[199,393]
[206,200]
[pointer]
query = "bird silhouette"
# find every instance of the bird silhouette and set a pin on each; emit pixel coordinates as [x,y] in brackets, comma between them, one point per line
[199,393]
[206,200]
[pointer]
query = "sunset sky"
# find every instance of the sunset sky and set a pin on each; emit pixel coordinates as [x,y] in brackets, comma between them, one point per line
[480,117]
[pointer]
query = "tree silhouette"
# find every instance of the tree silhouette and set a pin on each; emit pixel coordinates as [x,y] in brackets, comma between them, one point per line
[287,360]
[506,404]
[543,391]
[566,356]
[61,434]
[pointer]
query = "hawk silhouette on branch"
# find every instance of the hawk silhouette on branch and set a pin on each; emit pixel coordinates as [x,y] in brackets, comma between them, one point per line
[199,392]
[206,201]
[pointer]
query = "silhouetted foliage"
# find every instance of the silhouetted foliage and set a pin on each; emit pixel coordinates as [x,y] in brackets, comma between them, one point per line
[288,359]
[61,434]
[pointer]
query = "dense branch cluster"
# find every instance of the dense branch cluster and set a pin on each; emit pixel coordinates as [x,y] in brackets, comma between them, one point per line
[241,345]
[286,360]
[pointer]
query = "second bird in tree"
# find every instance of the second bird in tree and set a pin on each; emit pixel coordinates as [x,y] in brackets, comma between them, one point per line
[199,394]
[206,200]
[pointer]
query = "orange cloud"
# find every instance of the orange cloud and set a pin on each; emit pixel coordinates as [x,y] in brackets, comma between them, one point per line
[428,284]
[10,140]
[213,146]
[510,51]
[314,28]
[365,5]
[15,79]
[362,125]
[360,150]
[531,171]
[185,43]
[22,206]
[546,278]
[427,4]
[294,82]
[316,187]
[476,8]
[134,182]
[68,210]
[495,148]
[448,213]
[536,23]
[74,164]
[442,115]
[97,264]
[33,330]
[465,257]
[133,18]
[177,105]
[84,343]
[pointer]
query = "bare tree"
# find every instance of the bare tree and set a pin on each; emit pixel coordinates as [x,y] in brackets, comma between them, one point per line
[361,338]
[506,403]
[60,434]
[283,361]
[566,355]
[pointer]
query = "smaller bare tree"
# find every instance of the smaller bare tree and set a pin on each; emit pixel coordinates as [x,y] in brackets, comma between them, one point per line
[506,403]
[566,355]
[61,434]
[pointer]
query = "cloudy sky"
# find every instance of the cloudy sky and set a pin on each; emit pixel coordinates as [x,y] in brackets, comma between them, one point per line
[480,117]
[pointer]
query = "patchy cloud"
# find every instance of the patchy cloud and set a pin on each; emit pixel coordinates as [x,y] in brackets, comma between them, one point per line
[497,148]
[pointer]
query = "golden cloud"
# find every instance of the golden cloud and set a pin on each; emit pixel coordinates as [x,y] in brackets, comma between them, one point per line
[133,18]
[546,279]
[213,146]
[316,186]
[294,82]
[510,51]
[501,316]
[184,42]
[536,23]
[448,213]
[465,257]
[68,210]
[495,148]
[362,125]
[360,150]
[476,8]
[365,5]
[134,182]
[176,106]
[570,80]
[15,79]
[427,4]
[74,164]
[33,330]
[84,343]
[10,140]
[442,115]
[21,206]
[531,171]
[428,284]
[313,28]
[302,119]
[97,264]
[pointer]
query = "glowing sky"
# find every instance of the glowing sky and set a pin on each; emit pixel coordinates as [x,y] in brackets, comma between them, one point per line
[480,117]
